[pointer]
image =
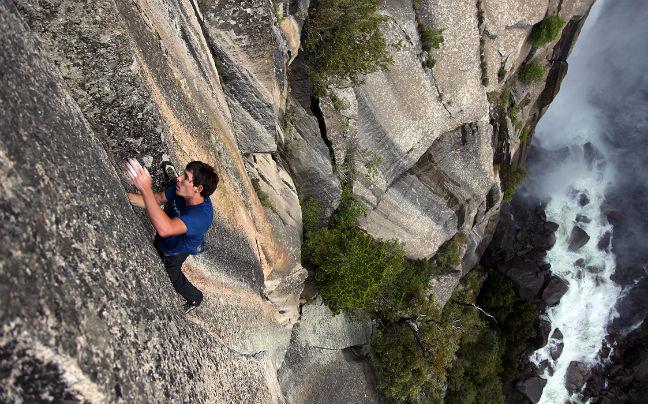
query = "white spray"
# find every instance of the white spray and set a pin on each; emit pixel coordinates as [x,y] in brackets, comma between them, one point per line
[576,188]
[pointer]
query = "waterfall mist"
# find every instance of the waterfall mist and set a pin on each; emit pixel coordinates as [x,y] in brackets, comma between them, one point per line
[589,162]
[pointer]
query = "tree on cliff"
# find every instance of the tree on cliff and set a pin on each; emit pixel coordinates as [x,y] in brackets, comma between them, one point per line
[343,41]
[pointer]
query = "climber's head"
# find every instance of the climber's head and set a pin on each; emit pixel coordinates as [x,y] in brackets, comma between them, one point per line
[198,177]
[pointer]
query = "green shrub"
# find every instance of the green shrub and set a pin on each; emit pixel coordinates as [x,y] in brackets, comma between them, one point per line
[449,254]
[517,175]
[532,72]
[349,211]
[343,41]
[525,134]
[501,73]
[337,102]
[497,296]
[414,353]
[504,98]
[546,30]
[515,320]
[430,37]
[429,63]
[311,214]
[514,113]
[474,377]
[278,11]
[351,267]
[407,293]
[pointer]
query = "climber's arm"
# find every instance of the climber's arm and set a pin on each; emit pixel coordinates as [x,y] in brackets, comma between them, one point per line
[138,200]
[163,224]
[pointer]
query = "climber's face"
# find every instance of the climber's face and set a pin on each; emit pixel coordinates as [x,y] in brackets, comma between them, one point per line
[185,186]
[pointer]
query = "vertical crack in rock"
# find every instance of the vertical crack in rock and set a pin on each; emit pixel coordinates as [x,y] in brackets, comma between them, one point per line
[317,112]
[481,27]
[407,36]
[440,95]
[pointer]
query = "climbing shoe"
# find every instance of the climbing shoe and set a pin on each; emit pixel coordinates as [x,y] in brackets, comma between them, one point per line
[189,306]
[170,173]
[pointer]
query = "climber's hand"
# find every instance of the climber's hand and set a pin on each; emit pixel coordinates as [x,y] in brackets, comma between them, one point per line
[136,200]
[139,176]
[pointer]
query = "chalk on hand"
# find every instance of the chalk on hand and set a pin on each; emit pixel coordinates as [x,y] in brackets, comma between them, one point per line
[133,167]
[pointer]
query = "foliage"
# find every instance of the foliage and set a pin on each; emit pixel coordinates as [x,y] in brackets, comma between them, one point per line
[337,102]
[449,254]
[371,165]
[517,175]
[504,98]
[532,72]
[349,210]
[515,114]
[352,267]
[474,378]
[501,73]
[429,63]
[407,294]
[525,134]
[546,30]
[311,214]
[414,353]
[430,37]
[263,197]
[515,320]
[343,41]
[277,5]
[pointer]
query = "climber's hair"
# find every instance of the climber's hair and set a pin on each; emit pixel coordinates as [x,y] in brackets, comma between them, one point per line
[203,174]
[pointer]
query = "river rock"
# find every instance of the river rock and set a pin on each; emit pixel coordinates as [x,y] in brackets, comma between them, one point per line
[557,334]
[544,266]
[578,238]
[604,242]
[583,199]
[544,328]
[526,276]
[582,218]
[556,350]
[555,289]
[532,388]
[550,227]
[580,263]
[577,374]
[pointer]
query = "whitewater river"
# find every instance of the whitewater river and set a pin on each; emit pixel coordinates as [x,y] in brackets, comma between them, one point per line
[578,170]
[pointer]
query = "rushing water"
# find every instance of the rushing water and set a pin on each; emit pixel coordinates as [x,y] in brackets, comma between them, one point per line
[574,177]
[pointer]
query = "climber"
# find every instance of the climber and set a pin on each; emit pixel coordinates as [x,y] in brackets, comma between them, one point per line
[181,226]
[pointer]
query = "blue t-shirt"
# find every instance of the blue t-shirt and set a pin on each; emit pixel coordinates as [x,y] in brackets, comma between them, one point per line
[197,218]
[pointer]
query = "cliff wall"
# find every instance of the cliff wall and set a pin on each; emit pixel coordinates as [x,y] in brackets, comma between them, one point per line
[87,312]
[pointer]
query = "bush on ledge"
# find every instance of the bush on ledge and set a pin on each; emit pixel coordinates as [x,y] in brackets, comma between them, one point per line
[343,41]
[546,30]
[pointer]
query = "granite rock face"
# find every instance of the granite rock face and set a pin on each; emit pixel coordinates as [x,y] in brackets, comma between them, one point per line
[87,313]
[251,55]
[322,364]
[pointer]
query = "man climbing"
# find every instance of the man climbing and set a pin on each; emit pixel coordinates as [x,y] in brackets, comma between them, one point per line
[181,226]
